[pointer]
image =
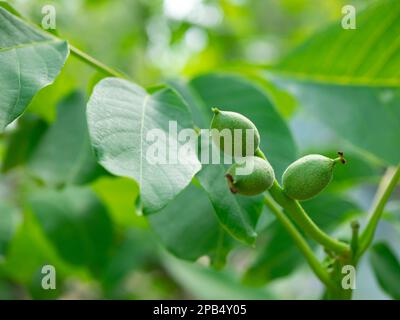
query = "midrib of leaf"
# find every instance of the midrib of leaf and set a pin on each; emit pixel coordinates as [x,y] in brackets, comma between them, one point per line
[145,100]
[30,44]
[82,155]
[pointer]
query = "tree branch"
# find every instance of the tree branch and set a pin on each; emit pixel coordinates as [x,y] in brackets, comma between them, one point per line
[302,244]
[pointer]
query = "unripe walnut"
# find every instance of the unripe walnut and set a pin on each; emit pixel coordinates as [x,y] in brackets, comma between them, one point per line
[233,121]
[255,182]
[308,176]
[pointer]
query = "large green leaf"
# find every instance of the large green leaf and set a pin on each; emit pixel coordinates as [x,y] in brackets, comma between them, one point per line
[120,115]
[76,223]
[64,155]
[355,113]
[280,256]
[276,258]
[191,233]
[386,267]
[29,60]
[349,79]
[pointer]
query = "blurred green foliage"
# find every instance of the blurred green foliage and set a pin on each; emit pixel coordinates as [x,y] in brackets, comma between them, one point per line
[58,207]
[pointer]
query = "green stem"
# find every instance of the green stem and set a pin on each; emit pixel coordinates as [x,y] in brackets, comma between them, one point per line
[299,215]
[355,227]
[260,154]
[302,244]
[301,218]
[385,189]
[95,63]
[74,51]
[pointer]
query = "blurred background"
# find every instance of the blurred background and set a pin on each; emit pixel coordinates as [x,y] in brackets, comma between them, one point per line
[155,41]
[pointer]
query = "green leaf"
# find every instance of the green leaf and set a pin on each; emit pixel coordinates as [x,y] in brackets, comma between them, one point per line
[190,234]
[392,213]
[9,8]
[9,217]
[30,59]
[348,79]
[386,267]
[238,219]
[73,75]
[364,56]
[279,256]
[276,258]
[330,210]
[76,223]
[120,115]
[64,155]
[355,113]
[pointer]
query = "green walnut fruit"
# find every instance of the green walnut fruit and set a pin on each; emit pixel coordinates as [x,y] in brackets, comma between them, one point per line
[259,178]
[232,121]
[309,175]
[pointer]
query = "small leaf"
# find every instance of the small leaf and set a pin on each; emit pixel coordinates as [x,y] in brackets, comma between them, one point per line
[120,115]
[30,59]
[386,267]
[64,154]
